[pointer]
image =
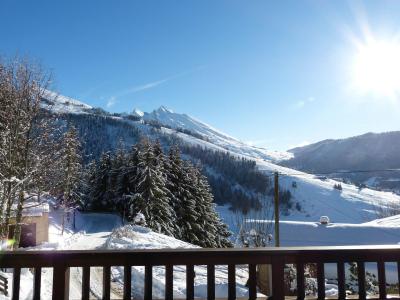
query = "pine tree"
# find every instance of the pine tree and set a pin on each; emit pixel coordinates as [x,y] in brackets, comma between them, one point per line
[213,232]
[127,181]
[101,191]
[182,201]
[118,162]
[71,169]
[151,197]
[87,183]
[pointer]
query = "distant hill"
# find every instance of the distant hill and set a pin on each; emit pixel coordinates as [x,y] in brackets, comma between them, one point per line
[370,151]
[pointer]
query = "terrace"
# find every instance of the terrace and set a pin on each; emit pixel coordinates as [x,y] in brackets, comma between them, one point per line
[61,261]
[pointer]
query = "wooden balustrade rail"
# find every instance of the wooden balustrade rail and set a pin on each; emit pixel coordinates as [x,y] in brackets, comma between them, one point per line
[61,261]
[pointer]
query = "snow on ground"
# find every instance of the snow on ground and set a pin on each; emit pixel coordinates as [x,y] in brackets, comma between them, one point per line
[391,222]
[297,233]
[105,231]
[92,231]
[136,237]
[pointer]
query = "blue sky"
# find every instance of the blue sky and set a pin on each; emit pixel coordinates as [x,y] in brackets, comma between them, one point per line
[276,74]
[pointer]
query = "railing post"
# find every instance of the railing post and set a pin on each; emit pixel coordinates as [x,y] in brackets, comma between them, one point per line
[148,282]
[16,283]
[398,274]
[60,282]
[190,282]
[127,282]
[85,282]
[37,283]
[321,280]
[252,282]
[300,280]
[169,282]
[382,279]
[231,282]
[341,280]
[210,282]
[106,282]
[361,280]
[278,290]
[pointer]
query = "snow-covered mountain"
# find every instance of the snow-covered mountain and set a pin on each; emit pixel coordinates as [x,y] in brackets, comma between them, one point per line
[313,196]
[187,123]
[63,104]
[370,151]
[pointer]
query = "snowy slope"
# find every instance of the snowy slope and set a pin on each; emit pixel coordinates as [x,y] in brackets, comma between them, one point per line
[315,196]
[183,121]
[393,221]
[318,197]
[63,104]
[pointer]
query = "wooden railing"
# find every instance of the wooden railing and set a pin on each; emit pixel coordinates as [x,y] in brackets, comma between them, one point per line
[61,261]
[3,285]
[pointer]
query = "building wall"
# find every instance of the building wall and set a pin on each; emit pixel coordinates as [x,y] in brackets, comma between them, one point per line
[42,226]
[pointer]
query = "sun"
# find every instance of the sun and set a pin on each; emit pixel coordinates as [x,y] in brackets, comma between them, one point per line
[376,68]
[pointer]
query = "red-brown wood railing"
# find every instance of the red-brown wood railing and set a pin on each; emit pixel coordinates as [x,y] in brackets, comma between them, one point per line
[61,261]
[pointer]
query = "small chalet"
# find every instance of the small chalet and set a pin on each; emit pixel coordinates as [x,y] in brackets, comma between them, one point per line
[35,224]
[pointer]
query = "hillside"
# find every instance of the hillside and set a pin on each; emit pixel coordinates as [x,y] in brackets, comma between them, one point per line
[311,196]
[371,151]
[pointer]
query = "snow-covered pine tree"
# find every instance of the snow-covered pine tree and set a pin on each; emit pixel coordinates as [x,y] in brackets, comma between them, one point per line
[151,197]
[126,185]
[87,183]
[118,163]
[71,169]
[212,231]
[163,164]
[101,193]
[172,169]
[183,199]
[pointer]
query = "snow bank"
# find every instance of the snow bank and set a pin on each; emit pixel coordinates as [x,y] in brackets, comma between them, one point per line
[137,237]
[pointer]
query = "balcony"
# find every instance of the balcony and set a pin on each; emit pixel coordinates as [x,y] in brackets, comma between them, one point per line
[61,261]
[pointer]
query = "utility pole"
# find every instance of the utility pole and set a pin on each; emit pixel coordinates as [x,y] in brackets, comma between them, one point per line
[276,205]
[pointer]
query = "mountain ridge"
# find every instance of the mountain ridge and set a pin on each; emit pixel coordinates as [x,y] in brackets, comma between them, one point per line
[367,152]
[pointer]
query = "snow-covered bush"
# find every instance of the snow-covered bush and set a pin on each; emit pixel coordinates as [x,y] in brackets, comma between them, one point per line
[139,219]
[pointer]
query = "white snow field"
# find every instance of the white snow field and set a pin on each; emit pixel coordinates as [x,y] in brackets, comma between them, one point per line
[63,104]
[136,237]
[105,231]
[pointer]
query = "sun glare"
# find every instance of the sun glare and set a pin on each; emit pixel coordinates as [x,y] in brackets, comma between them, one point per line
[377,68]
